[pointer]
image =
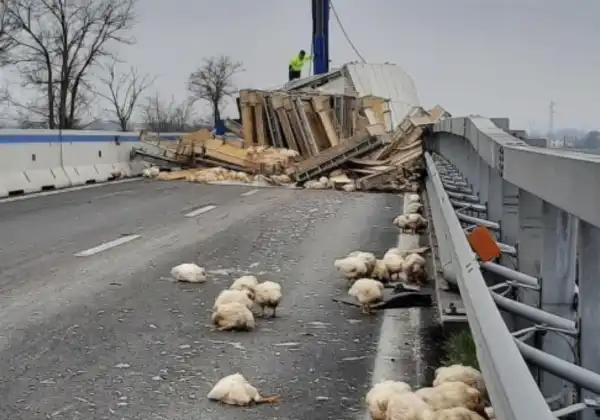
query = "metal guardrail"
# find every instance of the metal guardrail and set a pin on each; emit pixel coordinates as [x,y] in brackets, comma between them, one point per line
[513,392]
[549,174]
[542,206]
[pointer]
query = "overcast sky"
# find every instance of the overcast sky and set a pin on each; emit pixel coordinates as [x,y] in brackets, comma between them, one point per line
[488,57]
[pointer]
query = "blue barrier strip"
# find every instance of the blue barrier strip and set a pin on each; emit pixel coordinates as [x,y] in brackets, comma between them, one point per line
[65,139]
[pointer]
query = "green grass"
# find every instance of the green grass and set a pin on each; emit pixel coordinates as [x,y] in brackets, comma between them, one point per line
[459,349]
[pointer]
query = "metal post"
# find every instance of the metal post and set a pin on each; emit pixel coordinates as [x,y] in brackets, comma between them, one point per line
[509,220]
[589,309]
[320,10]
[559,252]
[529,247]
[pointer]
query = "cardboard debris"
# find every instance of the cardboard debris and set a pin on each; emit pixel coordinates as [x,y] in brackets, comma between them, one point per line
[336,141]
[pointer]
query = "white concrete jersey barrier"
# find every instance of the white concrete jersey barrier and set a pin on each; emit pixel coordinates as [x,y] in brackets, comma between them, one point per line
[37,160]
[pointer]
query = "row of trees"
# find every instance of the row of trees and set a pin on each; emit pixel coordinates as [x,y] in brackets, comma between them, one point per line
[64,54]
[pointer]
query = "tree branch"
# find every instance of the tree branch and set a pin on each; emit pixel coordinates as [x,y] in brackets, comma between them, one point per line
[59,43]
[124,91]
[213,82]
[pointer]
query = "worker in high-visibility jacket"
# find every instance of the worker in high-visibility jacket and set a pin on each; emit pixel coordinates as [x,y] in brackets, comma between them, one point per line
[297,63]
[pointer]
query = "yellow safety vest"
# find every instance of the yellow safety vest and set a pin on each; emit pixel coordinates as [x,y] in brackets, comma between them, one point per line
[297,63]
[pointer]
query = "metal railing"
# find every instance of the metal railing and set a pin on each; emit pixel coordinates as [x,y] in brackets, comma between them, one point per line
[500,360]
[544,210]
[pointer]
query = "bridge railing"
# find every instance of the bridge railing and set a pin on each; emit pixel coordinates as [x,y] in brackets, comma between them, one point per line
[544,207]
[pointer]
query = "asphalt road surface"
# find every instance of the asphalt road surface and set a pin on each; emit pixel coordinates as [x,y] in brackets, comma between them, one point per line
[92,327]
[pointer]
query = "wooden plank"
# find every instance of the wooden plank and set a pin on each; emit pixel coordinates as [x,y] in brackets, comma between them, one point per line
[333,151]
[319,136]
[247,119]
[305,127]
[334,157]
[259,118]
[402,131]
[378,178]
[234,127]
[294,118]
[368,162]
[378,108]
[288,133]
[322,106]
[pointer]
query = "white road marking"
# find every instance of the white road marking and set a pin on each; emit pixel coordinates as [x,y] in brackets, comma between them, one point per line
[247,193]
[107,245]
[65,190]
[201,210]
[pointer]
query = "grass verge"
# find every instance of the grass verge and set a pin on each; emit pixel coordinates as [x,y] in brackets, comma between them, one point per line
[460,349]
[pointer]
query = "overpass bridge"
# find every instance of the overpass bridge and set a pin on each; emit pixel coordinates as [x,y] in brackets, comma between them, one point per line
[538,351]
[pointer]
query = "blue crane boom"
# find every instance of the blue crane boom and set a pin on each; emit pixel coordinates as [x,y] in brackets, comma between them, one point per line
[320,36]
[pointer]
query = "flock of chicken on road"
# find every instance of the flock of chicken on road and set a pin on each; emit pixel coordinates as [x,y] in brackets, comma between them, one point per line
[458,392]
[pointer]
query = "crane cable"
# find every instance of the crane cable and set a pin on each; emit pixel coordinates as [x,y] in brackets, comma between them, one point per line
[337,18]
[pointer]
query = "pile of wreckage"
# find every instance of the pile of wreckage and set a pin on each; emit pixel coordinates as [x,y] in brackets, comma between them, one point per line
[310,138]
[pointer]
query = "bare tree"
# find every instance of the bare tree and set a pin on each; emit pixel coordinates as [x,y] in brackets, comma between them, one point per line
[160,116]
[213,82]
[59,44]
[124,91]
[8,30]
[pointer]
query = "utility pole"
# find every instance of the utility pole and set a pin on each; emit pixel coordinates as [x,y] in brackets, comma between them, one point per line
[551,120]
[320,36]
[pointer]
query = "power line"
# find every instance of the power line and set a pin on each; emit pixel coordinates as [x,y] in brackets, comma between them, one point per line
[337,18]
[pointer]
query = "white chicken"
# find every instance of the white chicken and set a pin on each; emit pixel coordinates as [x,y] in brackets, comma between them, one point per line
[411,223]
[460,373]
[407,406]
[378,397]
[368,257]
[116,173]
[380,272]
[236,390]
[245,283]
[352,268]
[394,263]
[425,393]
[349,187]
[367,292]
[412,198]
[321,184]
[453,394]
[189,272]
[267,295]
[456,413]
[233,316]
[414,268]
[151,172]
[413,208]
[229,296]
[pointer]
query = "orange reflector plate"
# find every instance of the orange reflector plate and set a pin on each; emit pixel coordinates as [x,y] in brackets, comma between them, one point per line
[484,244]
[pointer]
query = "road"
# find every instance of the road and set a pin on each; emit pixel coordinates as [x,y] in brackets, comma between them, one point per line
[91,326]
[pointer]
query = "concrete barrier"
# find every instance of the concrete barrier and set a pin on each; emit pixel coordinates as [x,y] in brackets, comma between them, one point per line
[37,160]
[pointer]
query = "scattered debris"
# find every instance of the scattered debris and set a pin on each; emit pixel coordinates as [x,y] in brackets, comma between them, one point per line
[123,366]
[309,137]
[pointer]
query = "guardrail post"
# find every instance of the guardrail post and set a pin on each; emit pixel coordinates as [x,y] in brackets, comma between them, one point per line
[558,270]
[509,220]
[484,180]
[529,247]
[472,168]
[589,304]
